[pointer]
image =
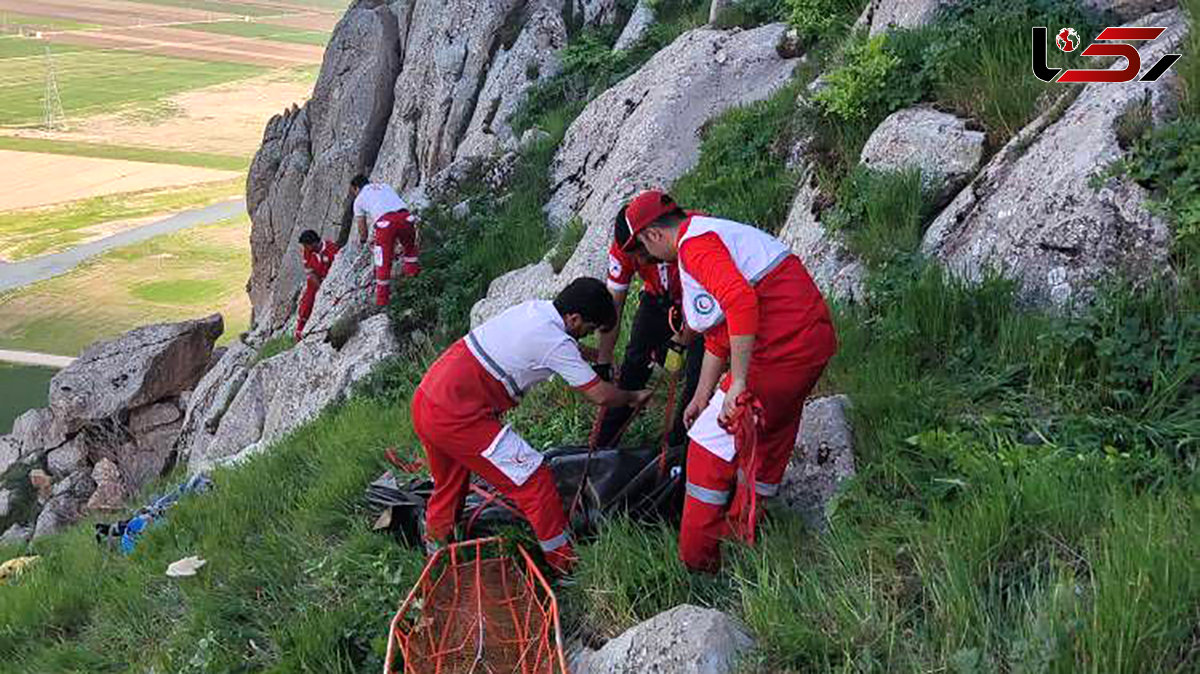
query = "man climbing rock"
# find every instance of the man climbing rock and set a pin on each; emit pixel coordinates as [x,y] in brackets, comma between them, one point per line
[652,335]
[762,315]
[379,205]
[318,258]
[457,409]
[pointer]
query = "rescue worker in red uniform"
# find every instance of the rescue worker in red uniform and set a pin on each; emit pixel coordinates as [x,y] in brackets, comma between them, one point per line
[652,334]
[318,258]
[458,407]
[379,205]
[761,314]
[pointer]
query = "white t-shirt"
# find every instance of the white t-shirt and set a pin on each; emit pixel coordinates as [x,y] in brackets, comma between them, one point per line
[375,200]
[528,344]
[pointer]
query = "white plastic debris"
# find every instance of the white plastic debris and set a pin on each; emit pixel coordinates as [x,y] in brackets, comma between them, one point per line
[186,567]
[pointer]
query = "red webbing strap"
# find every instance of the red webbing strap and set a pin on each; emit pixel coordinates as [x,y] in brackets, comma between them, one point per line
[744,425]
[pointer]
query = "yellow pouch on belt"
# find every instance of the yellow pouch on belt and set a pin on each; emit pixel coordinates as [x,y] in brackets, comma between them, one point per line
[673,362]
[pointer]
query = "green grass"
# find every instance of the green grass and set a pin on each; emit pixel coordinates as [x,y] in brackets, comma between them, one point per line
[263,31]
[92,81]
[23,47]
[39,231]
[274,347]
[22,388]
[10,21]
[219,6]
[180,292]
[125,152]
[196,272]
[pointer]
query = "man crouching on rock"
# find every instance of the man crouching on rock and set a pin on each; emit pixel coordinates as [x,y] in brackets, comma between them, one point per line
[457,409]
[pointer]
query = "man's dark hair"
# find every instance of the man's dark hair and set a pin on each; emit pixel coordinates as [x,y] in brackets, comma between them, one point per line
[589,298]
[360,181]
[309,237]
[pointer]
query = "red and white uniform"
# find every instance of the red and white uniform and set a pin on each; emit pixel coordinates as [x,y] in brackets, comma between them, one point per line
[316,266]
[658,278]
[387,212]
[457,412]
[738,280]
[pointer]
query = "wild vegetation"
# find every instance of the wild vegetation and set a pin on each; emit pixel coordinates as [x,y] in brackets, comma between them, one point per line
[1026,496]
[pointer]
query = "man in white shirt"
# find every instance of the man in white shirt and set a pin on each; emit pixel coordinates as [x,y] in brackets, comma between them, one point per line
[457,409]
[379,205]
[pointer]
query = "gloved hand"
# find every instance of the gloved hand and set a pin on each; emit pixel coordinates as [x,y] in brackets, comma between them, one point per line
[604,371]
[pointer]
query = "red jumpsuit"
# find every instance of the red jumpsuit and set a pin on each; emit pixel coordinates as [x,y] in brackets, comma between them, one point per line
[390,229]
[457,412]
[316,265]
[741,281]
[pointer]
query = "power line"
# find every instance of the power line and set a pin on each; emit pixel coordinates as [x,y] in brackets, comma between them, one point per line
[53,117]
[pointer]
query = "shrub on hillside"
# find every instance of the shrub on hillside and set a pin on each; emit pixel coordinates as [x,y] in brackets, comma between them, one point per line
[823,20]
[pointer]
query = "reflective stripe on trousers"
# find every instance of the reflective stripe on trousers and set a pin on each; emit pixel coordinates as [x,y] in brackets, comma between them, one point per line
[714,497]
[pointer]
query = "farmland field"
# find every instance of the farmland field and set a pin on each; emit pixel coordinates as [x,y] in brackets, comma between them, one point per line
[266,31]
[170,278]
[22,387]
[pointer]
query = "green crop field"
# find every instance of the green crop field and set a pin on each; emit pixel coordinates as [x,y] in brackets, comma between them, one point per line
[21,388]
[15,46]
[11,22]
[91,80]
[195,273]
[145,154]
[263,31]
[38,231]
[219,6]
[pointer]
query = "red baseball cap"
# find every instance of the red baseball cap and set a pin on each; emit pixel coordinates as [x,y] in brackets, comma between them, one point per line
[643,211]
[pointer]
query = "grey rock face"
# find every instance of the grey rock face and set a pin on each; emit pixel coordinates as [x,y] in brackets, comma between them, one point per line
[286,391]
[10,452]
[140,367]
[596,12]
[1033,214]
[635,29]
[212,397]
[110,488]
[467,65]
[684,639]
[836,272]
[824,457]
[16,535]
[5,502]
[68,458]
[615,147]
[37,431]
[939,145]
[884,15]
[65,504]
[1128,10]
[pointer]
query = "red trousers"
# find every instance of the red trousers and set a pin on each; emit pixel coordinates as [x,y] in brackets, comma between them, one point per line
[787,363]
[311,286]
[461,438]
[390,229]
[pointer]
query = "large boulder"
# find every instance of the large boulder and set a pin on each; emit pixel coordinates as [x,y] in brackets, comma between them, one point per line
[212,397]
[38,431]
[285,391]
[110,490]
[66,503]
[67,459]
[644,132]
[635,29]
[823,459]
[10,452]
[467,66]
[140,367]
[939,145]
[684,639]
[885,15]
[1033,213]
[836,272]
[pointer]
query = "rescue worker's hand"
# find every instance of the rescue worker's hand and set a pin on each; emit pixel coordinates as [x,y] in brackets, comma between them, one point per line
[692,412]
[642,397]
[736,388]
[604,371]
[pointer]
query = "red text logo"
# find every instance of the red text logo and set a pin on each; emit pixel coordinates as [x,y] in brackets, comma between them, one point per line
[1068,40]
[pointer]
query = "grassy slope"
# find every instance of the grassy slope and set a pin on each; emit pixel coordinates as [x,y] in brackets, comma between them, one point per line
[20,47]
[91,81]
[1026,501]
[126,153]
[39,231]
[263,31]
[175,277]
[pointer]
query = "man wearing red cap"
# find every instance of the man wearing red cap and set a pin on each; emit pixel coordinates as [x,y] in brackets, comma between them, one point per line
[652,335]
[318,258]
[457,409]
[762,315]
